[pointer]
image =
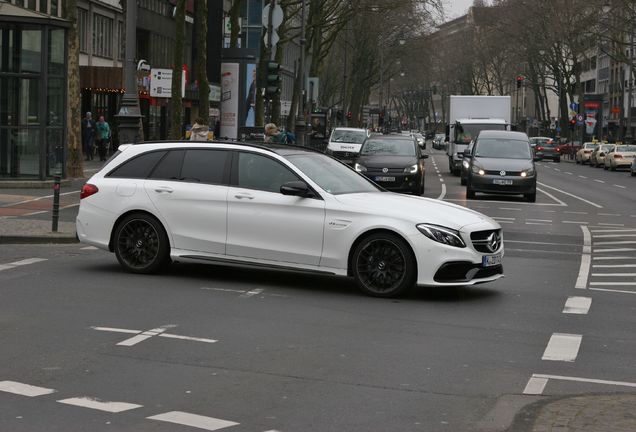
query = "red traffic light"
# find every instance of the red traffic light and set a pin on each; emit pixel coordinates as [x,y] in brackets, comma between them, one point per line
[520,78]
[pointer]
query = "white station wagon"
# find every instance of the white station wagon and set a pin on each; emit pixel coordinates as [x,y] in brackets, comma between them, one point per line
[280,207]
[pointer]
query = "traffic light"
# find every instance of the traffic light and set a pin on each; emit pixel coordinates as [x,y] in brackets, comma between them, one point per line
[272,87]
[572,123]
[520,79]
[349,115]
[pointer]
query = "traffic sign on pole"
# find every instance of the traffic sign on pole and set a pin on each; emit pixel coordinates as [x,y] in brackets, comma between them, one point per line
[277,16]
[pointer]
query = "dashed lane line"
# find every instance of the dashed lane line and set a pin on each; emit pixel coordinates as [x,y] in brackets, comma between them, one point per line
[615,250]
[599,181]
[608,214]
[24,389]
[443,193]
[619,242]
[575,212]
[583,177]
[584,268]
[96,404]
[608,258]
[577,305]
[539,220]
[614,235]
[575,222]
[604,224]
[619,186]
[562,347]
[193,420]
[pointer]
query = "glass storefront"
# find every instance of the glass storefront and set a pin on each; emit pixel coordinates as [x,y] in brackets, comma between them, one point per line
[32,99]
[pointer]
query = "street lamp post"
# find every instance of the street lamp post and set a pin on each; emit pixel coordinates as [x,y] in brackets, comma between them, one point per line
[129,112]
[301,121]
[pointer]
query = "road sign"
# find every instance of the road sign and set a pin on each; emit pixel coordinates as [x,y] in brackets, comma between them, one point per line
[579,118]
[275,38]
[277,16]
[574,106]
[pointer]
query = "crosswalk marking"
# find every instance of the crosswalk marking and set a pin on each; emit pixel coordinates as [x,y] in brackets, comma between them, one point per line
[562,347]
[87,402]
[193,420]
[20,263]
[24,389]
[577,305]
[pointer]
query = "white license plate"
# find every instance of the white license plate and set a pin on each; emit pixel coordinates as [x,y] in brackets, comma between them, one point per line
[385,179]
[491,260]
[502,182]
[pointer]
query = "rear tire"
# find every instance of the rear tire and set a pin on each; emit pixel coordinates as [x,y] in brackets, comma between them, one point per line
[612,168]
[605,167]
[383,265]
[532,197]
[141,244]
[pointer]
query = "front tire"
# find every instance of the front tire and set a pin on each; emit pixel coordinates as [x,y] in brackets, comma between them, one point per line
[141,244]
[383,265]
[463,181]
[470,194]
[531,197]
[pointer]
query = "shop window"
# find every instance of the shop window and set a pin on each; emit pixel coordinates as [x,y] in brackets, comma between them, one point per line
[29,102]
[54,151]
[82,29]
[55,101]
[56,52]
[31,51]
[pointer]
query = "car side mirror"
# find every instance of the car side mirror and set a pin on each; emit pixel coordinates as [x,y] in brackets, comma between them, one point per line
[467,153]
[296,188]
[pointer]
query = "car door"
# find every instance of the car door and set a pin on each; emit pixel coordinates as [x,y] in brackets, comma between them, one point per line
[189,190]
[265,224]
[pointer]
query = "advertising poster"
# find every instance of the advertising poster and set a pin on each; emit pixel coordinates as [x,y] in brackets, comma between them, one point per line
[592,117]
[250,95]
[229,100]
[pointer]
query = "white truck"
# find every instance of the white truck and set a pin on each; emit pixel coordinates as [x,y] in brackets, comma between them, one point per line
[469,115]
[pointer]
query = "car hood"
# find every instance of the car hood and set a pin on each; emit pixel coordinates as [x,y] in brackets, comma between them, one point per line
[496,164]
[372,161]
[414,208]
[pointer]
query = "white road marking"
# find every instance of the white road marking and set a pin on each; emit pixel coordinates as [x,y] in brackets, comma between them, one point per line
[584,270]
[610,224]
[509,208]
[539,220]
[619,242]
[36,213]
[556,169]
[587,380]
[89,248]
[574,222]
[253,292]
[505,222]
[619,186]
[575,212]
[536,223]
[614,265]
[568,173]
[571,195]
[615,250]
[613,283]
[24,389]
[503,218]
[143,335]
[577,305]
[614,235]
[613,274]
[616,230]
[615,258]
[21,263]
[541,243]
[562,347]
[39,198]
[224,289]
[443,194]
[599,181]
[583,177]
[561,203]
[193,420]
[608,214]
[92,403]
[611,290]
[535,386]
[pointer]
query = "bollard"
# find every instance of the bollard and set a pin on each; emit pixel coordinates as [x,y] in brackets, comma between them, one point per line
[56,201]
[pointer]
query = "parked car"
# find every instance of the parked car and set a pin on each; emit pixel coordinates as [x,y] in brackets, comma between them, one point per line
[621,156]
[438,141]
[421,141]
[583,155]
[279,207]
[632,168]
[344,143]
[394,162]
[545,148]
[597,158]
[501,162]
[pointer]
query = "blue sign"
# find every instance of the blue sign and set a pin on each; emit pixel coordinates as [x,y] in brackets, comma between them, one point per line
[574,106]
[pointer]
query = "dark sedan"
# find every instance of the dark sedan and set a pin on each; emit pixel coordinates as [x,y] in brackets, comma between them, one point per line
[501,163]
[394,162]
[546,148]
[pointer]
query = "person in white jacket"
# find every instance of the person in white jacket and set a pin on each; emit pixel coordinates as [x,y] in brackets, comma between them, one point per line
[199,130]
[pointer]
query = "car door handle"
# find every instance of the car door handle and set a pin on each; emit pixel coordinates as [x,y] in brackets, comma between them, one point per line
[162,189]
[243,196]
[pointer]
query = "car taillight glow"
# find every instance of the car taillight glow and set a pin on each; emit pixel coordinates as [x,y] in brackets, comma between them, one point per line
[539,148]
[88,190]
[558,149]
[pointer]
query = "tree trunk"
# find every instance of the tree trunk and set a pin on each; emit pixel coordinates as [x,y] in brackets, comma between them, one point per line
[291,118]
[74,129]
[202,58]
[261,79]
[235,14]
[176,104]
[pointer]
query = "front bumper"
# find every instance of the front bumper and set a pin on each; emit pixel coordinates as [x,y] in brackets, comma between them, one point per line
[520,185]
[402,183]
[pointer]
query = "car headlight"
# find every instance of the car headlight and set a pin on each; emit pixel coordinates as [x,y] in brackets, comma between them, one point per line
[475,169]
[527,173]
[360,168]
[466,164]
[412,169]
[442,234]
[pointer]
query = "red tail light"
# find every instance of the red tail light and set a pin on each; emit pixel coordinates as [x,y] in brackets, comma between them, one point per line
[617,156]
[88,190]
[558,150]
[539,148]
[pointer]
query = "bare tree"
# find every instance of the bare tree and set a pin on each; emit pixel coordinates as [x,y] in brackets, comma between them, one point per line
[74,159]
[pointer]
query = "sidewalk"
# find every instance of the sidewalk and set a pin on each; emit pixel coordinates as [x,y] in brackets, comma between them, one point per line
[613,412]
[25,211]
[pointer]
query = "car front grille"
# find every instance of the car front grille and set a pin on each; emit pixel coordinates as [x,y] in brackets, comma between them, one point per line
[344,155]
[507,173]
[488,241]
[464,271]
[379,171]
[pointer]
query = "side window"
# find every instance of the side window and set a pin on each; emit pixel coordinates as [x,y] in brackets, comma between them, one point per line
[204,166]
[137,167]
[262,173]
[170,166]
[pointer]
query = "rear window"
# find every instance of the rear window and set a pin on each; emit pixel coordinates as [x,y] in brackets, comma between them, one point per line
[626,148]
[137,167]
[350,137]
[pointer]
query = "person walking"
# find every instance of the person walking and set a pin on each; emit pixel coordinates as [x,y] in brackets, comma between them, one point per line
[199,130]
[88,135]
[273,135]
[102,138]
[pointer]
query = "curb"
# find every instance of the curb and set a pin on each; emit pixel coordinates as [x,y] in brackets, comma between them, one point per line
[41,239]
[32,184]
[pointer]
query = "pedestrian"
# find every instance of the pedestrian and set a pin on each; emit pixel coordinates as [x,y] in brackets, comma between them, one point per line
[102,138]
[199,131]
[273,135]
[88,135]
[217,130]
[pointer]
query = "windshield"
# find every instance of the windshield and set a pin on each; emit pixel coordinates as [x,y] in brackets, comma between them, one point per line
[331,175]
[626,148]
[591,146]
[465,133]
[348,136]
[605,148]
[388,147]
[502,149]
[541,141]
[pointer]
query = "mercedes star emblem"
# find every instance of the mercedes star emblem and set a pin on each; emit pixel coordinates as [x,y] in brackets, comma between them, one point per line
[502,173]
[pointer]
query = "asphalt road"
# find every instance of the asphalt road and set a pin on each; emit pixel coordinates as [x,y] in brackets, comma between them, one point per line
[294,352]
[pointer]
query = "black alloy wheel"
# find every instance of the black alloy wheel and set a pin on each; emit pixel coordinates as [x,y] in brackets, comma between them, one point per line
[384,266]
[141,244]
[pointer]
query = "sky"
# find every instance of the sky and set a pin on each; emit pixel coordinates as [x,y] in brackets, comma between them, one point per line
[455,8]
